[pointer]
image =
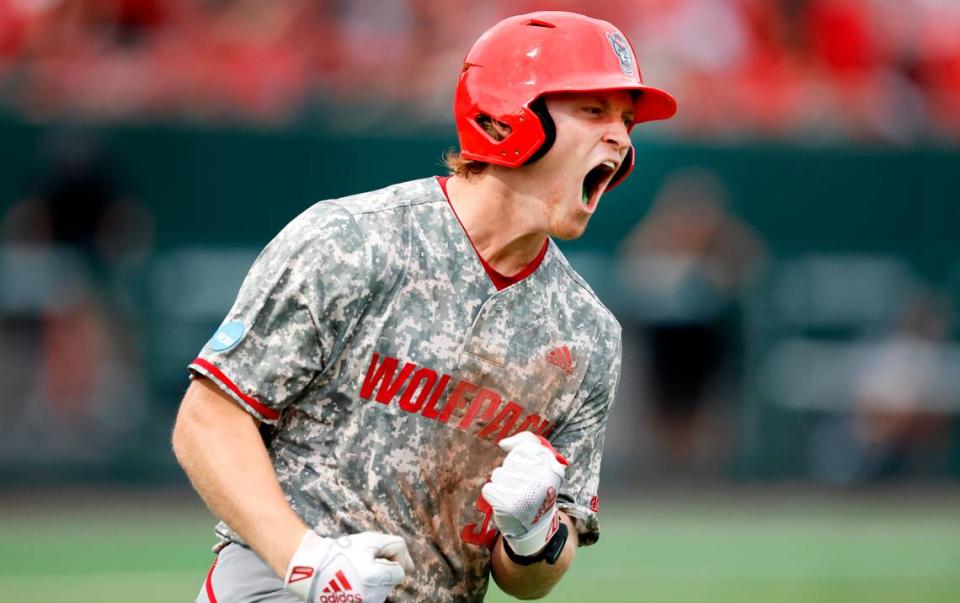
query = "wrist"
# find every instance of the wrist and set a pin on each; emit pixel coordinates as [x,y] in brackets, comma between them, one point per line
[278,545]
[536,538]
[301,569]
[550,552]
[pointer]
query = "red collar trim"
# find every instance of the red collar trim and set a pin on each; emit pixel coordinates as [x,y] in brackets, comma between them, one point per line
[500,281]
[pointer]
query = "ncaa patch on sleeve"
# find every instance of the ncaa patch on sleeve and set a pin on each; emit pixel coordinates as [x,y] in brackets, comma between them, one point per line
[228,335]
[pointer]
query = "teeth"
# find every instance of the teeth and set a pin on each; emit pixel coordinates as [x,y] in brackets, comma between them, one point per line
[610,164]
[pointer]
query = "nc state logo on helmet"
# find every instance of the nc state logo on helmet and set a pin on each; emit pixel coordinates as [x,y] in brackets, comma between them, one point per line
[522,58]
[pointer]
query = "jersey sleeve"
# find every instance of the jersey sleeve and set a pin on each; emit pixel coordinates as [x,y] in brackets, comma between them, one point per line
[297,304]
[581,436]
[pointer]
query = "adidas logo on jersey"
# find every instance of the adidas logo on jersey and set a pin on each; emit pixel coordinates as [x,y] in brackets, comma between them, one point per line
[339,591]
[562,358]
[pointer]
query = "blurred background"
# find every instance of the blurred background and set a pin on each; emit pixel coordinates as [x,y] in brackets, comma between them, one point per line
[784,261]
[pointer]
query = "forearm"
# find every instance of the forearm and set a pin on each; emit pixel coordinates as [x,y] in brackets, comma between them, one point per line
[219,447]
[536,580]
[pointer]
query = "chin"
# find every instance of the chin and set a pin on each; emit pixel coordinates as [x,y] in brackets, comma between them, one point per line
[569,230]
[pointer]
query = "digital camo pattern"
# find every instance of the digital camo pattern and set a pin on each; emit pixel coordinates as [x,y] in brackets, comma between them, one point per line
[391,366]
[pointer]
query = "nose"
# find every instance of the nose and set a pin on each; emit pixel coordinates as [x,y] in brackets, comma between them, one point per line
[618,136]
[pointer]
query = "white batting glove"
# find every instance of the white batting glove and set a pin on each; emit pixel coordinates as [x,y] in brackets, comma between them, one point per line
[523,492]
[360,567]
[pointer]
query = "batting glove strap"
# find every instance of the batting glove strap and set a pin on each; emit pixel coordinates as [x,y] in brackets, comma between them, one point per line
[550,553]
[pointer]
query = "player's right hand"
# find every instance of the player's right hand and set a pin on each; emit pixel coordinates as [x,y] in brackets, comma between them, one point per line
[360,567]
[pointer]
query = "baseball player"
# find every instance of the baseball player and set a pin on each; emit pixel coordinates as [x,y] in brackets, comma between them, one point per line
[410,392]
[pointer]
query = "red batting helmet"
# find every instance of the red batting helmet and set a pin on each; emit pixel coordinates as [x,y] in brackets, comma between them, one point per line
[522,58]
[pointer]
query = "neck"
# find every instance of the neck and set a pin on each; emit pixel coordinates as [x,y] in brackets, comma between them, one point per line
[504,223]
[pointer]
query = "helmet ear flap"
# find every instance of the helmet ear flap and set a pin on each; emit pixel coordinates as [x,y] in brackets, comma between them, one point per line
[539,108]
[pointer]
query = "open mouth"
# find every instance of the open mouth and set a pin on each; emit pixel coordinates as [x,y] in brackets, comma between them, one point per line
[596,181]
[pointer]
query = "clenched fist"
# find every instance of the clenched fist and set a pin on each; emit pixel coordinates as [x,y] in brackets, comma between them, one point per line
[523,492]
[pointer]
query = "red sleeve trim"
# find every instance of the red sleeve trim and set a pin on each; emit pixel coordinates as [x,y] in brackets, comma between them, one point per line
[268,413]
[209,582]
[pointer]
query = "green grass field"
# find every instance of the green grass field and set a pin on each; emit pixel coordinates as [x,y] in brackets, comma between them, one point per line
[743,550]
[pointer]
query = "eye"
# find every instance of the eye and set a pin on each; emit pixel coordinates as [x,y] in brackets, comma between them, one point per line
[593,109]
[628,121]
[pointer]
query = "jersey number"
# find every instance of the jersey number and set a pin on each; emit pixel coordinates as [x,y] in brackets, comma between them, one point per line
[482,534]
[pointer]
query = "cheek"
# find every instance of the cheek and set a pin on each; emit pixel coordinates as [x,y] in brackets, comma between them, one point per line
[570,136]
[554,188]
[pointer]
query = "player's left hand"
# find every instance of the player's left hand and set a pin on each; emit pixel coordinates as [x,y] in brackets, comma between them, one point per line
[359,567]
[523,492]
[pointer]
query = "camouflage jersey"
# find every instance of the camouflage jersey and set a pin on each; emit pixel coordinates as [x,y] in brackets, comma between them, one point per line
[370,336]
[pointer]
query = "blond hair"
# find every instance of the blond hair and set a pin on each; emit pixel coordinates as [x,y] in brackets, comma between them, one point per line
[458,166]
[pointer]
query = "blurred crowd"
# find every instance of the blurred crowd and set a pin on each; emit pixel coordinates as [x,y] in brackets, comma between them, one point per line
[856,353]
[886,70]
[70,356]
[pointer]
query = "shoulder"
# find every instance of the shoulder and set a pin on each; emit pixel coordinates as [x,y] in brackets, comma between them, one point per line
[387,202]
[324,230]
[581,298]
[363,217]
[595,328]
[384,215]
[368,212]
[374,224]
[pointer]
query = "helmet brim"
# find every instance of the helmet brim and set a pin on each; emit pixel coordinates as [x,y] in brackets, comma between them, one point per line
[653,104]
[650,104]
